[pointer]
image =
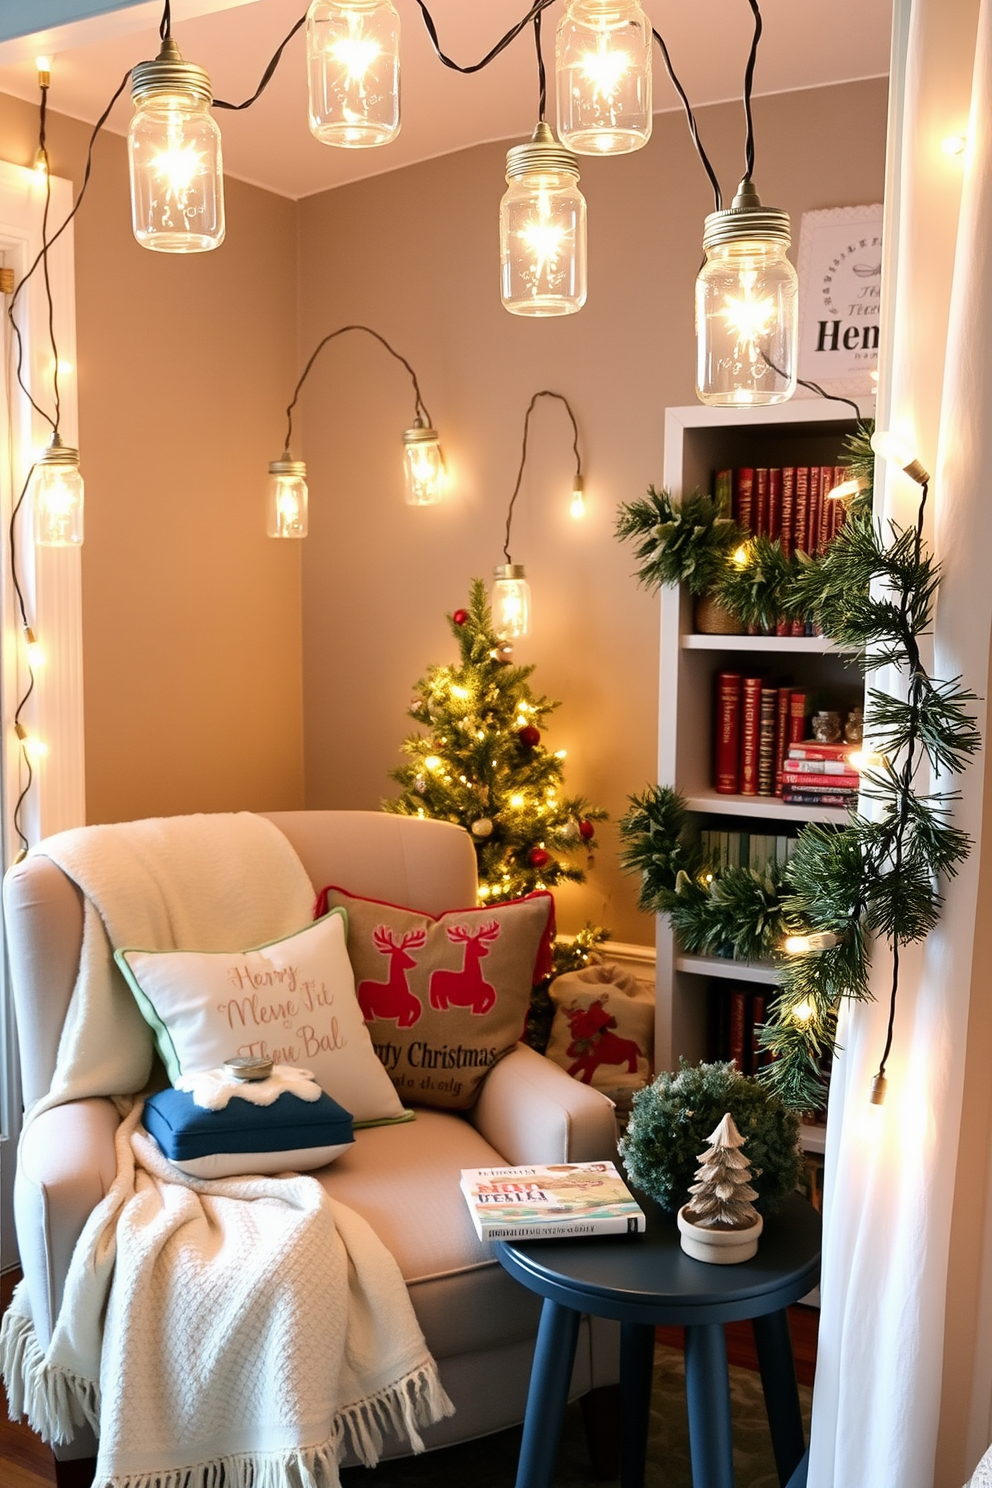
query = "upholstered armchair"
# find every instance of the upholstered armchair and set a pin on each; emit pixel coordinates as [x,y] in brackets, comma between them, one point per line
[479,1324]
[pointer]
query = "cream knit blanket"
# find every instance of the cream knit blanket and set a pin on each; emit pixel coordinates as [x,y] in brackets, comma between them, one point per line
[243,1330]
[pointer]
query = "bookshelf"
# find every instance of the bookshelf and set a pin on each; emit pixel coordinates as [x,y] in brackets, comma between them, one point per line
[699,441]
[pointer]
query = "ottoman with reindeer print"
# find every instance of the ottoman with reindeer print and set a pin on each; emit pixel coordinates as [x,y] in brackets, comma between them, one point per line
[444,998]
[602,1029]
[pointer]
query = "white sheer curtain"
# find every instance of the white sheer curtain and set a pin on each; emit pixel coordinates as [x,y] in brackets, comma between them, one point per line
[904,1378]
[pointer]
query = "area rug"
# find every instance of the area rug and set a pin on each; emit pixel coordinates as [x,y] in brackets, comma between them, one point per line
[492,1462]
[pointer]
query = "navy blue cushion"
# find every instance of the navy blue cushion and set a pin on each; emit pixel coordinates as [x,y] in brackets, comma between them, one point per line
[187,1133]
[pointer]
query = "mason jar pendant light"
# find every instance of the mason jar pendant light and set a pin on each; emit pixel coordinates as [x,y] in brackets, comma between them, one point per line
[286,499]
[603,65]
[353,67]
[746,301]
[510,600]
[57,497]
[174,155]
[542,229]
[423,465]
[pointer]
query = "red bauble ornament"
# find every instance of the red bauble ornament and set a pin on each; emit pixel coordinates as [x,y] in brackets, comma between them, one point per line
[586,830]
[529,736]
[538,856]
[460,616]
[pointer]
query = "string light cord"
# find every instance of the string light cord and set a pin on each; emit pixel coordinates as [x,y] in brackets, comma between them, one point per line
[542,76]
[23,701]
[748,85]
[420,407]
[266,78]
[544,393]
[813,387]
[691,119]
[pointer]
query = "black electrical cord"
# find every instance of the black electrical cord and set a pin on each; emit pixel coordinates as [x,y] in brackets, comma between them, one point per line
[542,76]
[544,393]
[691,119]
[420,407]
[22,703]
[274,61]
[748,84]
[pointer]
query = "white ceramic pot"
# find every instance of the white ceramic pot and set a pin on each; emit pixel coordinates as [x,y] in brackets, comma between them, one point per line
[718,1247]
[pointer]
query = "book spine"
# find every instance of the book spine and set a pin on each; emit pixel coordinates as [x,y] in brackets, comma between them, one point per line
[766,741]
[823,785]
[781,735]
[797,717]
[737,1030]
[750,728]
[761,501]
[827,483]
[744,497]
[627,1224]
[800,517]
[723,492]
[757,1020]
[775,503]
[839,513]
[832,767]
[788,504]
[728,733]
[813,798]
[815,506]
[805,749]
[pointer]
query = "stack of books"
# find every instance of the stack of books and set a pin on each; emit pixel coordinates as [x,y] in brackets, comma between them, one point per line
[756,721]
[756,850]
[819,775]
[737,1014]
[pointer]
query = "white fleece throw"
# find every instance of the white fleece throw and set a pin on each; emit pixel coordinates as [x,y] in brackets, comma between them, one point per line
[241,1331]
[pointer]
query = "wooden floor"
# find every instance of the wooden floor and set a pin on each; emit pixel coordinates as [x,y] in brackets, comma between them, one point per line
[27,1462]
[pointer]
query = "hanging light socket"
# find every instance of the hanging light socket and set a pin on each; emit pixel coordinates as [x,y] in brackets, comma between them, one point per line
[510,601]
[746,302]
[174,155]
[57,497]
[286,500]
[423,464]
[542,229]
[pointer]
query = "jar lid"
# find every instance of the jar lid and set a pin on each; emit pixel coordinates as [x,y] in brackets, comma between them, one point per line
[168,73]
[248,1067]
[58,453]
[542,152]
[286,466]
[509,571]
[419,433]
[746,218]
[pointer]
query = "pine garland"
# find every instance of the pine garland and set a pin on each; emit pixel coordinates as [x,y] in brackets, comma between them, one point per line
[685,542]
[872,592]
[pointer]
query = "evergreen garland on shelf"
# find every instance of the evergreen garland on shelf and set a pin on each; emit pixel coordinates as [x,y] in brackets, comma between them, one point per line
[877,877]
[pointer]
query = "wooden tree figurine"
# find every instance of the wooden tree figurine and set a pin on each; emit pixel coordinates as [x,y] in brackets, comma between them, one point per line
[721,1197]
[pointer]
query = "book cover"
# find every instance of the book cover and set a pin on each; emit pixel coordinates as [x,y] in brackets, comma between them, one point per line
[750,729]
[517,1203]
[744,497]
[812,749]
[827,785]
[761,501]
[723,492]
[781,734]
[775,503]
[827,482]
[788,499]
[797,717]
[766,740]
[727,738]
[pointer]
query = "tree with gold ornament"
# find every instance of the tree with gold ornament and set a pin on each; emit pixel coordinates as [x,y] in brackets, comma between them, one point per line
[481,762]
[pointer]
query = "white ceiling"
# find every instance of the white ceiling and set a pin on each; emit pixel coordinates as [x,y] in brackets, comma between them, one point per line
[806,44]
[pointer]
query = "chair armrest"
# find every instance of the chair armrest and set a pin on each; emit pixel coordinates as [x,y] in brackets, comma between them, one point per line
[65,1165]
[531,1111]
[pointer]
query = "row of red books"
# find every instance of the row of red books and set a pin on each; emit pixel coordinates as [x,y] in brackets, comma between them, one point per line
[789,502]
[815,774]
[758,724]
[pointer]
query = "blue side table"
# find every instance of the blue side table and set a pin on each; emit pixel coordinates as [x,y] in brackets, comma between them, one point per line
[641,1281]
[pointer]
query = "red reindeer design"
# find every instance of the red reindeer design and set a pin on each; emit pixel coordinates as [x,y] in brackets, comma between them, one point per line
[593,1044]
[392,998]
[467,987]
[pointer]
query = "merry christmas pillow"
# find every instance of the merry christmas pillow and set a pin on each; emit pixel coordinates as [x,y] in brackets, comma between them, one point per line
[445,997]
[603,1029]
[292,1001]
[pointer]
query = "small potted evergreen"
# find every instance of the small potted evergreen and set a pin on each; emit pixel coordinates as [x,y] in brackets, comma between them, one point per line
[672,1120]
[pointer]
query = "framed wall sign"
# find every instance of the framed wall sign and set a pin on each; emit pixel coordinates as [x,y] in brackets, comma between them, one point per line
[840,275]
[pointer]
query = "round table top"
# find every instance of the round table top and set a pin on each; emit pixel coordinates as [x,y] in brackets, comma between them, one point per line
[648,1278]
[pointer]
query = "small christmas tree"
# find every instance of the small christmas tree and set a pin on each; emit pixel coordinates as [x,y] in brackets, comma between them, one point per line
[483,765]
[721,1199]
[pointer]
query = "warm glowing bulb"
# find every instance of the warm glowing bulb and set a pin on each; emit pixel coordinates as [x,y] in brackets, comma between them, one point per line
[803,1012]
[43,64]
[898,451]
[542,226]
[432,762]
[517,800]
[561,753]
[57,497]
[510,601]
[820,940]
[35,650]
[174,155]
[35,749]
[740,556]
[40,165]
[955,144]
[423,465]
[484,891]
[845,490]
[459,692]
[353,65]
[286,499]
[578,506]
[603,65]
[866,759]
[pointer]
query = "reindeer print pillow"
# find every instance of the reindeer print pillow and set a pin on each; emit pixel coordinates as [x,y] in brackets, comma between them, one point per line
[444,998]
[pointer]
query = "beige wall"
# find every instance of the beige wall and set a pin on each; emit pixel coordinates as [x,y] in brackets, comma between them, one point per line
[191,616]
[414,253]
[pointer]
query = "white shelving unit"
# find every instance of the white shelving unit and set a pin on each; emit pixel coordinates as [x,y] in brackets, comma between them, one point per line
[699,441]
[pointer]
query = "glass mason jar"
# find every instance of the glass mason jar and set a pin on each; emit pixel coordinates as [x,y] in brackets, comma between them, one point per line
[423,465]
[542,230]
[286,499]
[746,307]
[603,67]
[510,600]
[57,497]
[174,156]
[353,69]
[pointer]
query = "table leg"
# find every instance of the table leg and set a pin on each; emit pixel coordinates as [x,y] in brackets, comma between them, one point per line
[707,1387]
[547,1396]
[778,1381]
[636,1371]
